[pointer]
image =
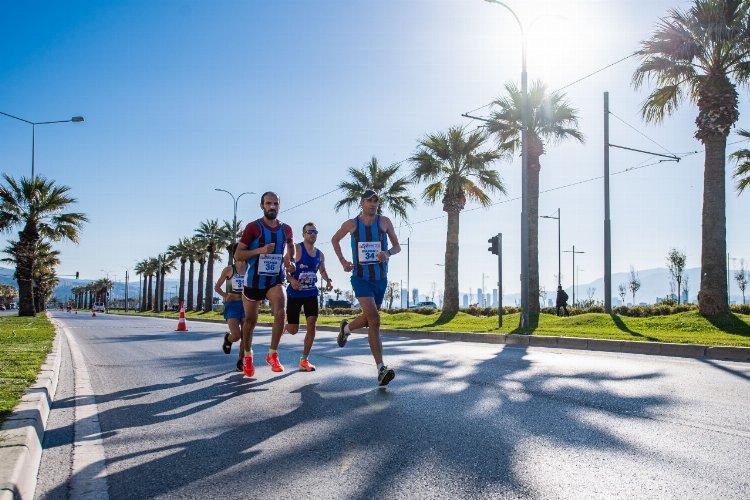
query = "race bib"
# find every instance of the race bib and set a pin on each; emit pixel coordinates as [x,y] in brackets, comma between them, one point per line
[238,281]
[307,280]
[367,251]
[269,264]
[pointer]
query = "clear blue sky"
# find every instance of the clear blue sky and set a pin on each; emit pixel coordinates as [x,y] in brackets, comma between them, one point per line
[181,97]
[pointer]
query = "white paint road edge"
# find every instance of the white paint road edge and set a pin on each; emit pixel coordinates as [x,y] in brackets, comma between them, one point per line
[89,474]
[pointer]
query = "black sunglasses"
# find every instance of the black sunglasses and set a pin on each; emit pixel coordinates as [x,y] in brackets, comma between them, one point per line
[311,231]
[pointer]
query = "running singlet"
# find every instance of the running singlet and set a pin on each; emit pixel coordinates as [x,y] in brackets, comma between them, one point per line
[367,241]
[235,282]
[307,275]
[266,270]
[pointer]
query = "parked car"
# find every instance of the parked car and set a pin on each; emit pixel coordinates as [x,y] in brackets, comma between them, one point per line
[2,307]
[423,304]
[99,307]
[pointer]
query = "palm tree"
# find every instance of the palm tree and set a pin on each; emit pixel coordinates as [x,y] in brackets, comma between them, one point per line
[140,269]
[38,207]
[167,266]
[742,157]
[456,171]
[44,278]
[194,253]
[702,54]
[151,267]
[209,234]
[229,236]
[181,251]
[551,119]
[393,192]
[201,259]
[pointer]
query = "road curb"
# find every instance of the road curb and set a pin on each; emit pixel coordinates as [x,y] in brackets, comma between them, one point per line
[23,432]
[726,353]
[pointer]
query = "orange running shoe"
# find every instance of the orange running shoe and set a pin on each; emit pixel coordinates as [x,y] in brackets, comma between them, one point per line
[306,366]
[247,365]
[273,360]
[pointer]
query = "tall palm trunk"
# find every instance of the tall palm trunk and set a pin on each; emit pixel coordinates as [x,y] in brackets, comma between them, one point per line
[155,303]
[208,302]
[163,280]
[533,215]
[712,297]
[450,304]
[25,270]
[202,262]
[191,273]
[182,280]
[143,294]
[149,296]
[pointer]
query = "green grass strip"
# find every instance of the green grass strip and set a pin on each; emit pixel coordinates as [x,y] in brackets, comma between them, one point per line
[24,345]
[683,328]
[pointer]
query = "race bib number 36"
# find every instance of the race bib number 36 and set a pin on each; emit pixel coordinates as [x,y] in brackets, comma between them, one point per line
[367,250]
[269,264]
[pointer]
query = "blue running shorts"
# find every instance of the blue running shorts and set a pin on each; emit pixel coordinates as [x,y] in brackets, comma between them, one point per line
[234,310]
[369,288]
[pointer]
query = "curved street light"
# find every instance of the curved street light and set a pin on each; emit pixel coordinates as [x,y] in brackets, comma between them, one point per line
[524,174]
[234,217]
[75,119]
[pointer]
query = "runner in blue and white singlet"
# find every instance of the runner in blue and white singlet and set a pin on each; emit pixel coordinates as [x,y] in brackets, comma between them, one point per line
[370,233]
[367,241]
[302,291]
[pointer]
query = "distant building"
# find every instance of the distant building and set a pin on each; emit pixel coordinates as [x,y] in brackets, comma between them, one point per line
[466,300]
[495,302]
[404,296]
[414,296]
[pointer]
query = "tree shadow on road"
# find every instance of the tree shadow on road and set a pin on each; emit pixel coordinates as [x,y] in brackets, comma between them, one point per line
[457,423]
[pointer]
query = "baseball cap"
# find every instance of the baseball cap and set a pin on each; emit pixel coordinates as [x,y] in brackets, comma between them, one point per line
[369,194]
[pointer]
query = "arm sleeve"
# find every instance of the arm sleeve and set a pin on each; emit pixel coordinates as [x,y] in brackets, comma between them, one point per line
[251,232]
[288,236]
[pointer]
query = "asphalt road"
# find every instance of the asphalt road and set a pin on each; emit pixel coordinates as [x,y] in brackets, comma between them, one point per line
[462,420]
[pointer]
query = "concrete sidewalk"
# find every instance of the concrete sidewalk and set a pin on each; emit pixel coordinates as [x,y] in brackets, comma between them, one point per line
[23,432]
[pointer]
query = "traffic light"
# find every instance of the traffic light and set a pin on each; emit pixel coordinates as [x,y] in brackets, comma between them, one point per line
[494,245]
[76,274]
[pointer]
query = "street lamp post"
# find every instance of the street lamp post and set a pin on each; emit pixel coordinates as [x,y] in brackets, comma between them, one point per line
[559,249]
[234,217]
[574,252]
[524,175]
[75,119]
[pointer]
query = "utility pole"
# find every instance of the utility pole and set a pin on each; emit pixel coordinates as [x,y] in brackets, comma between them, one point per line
[574,252]
[607,234]
[607,228]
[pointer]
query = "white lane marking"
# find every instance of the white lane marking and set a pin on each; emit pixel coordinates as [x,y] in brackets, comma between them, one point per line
[89,478]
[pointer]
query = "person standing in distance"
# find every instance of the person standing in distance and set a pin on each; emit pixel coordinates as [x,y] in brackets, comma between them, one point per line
[370,233]
[262,246]
[229,286]
[302,290]
[561,301]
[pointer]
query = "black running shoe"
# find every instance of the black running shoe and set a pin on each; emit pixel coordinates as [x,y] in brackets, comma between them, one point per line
[227,346]
[239,365]
[343,336]
[385,375]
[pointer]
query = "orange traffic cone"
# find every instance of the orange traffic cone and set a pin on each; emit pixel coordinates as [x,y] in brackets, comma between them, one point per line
[93,313]
[182,323]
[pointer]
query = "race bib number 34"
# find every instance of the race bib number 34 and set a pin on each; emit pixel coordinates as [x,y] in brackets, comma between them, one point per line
[269,264]
[367,250]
